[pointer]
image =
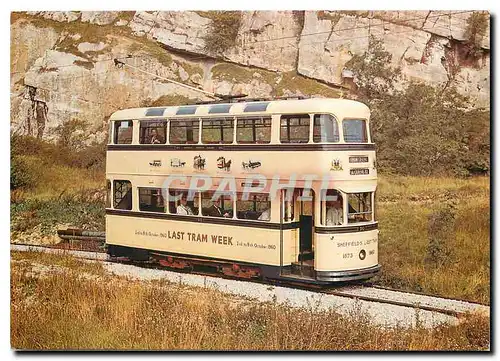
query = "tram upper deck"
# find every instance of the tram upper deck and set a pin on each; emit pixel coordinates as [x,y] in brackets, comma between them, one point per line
[283,137]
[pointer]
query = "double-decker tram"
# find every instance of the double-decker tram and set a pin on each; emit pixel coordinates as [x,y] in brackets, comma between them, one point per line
[278,189]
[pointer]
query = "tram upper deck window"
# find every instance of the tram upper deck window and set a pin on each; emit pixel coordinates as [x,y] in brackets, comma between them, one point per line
[152,132]
[360,207]
[355,131]
[217,131]
[255,130]
[216,205]
[184,131]
[332,208]
[122,194]
[183,202]
[151,200]
[294,128]
[325,129]
[123,132]
[254,206]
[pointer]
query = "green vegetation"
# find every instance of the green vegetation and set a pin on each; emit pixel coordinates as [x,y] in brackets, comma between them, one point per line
[53,184]
[222,32]
[420,130]
[240,74]
[292,81]
[434,235]
[168,100]
[72,306]
[477,24]
[288,81]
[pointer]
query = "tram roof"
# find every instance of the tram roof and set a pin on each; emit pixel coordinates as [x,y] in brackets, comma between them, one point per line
[340,107]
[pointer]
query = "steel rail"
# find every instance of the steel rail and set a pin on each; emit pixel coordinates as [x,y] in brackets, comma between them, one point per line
[278,283]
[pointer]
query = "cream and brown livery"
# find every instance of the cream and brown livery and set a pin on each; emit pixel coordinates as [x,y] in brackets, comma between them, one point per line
[290,236]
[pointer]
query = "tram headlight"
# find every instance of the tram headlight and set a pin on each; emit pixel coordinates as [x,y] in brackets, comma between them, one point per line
[362,254]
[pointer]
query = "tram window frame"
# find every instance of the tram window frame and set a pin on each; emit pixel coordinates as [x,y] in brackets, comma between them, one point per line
[223,130]
[349,138]
[286,127]
[251,199]
[319,137]
[193,200]
[110,133]
[118,136]
[108,193]
[147,192]
[324,206]
[289,205]
[192,125]
[243,124]
[118,187]
[228,198]
[146,126]
[353,217]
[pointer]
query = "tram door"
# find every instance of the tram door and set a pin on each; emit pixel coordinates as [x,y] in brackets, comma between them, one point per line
[306,205]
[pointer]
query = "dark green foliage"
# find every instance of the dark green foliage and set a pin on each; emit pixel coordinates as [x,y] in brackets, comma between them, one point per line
[440,229]
[83,210]
[477,23]
[222,32]
[420,130]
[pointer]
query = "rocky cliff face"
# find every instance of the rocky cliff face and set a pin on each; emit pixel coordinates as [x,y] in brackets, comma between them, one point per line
[62,64]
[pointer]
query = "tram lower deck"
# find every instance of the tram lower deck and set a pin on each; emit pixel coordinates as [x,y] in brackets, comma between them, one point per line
[284,247]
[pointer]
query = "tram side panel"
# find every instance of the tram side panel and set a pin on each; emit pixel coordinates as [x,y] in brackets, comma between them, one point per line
[346,251]
[215,241]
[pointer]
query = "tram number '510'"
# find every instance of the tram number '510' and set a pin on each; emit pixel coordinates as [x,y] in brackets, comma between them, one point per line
[347,255]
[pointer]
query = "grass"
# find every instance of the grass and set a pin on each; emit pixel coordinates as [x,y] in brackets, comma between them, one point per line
[290,81]
[65,308]
[406,204]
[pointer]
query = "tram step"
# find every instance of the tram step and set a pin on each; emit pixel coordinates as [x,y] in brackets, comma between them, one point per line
[302,269]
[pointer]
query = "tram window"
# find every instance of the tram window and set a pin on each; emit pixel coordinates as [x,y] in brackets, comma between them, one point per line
[108,193]
[184,131]
[256,206]
[152,132]
[123,132]
[151,200]
[360,207]
[294,128]
[217,131]
[251,131]
[325,129]
[355,131]
[332,208]
[290,198]
[183,202]
[216,205]
[122,194]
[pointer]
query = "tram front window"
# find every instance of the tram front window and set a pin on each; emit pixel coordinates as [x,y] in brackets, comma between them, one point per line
[355,131]
[360,207]
[332,208]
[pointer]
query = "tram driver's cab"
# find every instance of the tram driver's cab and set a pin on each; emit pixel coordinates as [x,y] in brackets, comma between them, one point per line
[334,235]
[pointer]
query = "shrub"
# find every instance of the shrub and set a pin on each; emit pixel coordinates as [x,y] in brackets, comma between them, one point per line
[420,130]
[222,32]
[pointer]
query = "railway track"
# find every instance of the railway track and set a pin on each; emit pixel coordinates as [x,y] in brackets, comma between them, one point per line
[90,247]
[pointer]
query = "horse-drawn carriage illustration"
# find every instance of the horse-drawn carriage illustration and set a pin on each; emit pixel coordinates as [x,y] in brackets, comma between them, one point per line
[177,163]
[250,165]
[224,164]
[199,162]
